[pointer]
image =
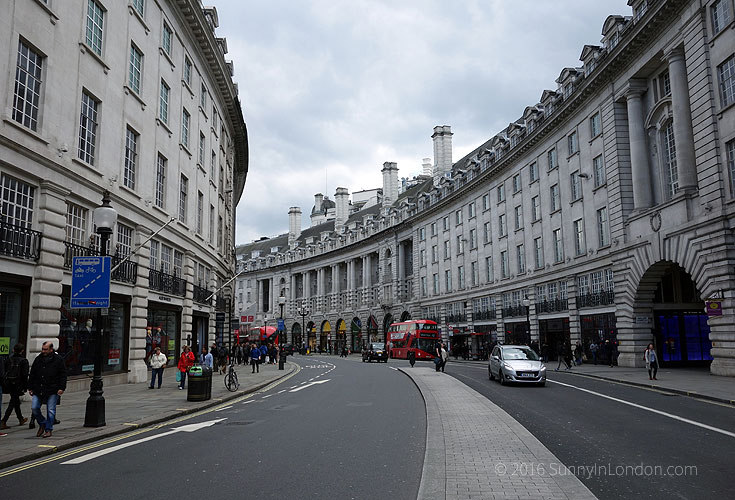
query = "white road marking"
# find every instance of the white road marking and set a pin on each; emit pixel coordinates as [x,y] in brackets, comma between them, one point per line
[97,454]
[392,368]
[284,390]
[223,408]
[246,402]
[652,410]
[309,385]
[267,396]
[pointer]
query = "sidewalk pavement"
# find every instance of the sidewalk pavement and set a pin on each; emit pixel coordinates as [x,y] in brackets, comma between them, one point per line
[127,407]
[499,459]
[693,382]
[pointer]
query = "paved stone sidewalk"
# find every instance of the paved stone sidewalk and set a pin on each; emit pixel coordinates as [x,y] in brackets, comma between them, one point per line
[498,459]
[127,407]
[693,382]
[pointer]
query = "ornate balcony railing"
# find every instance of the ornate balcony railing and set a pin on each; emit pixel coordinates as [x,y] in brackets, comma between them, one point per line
[513,311]
[456,318]
[480,315]
[201,295]
[127,272]
[603,298]
[19,242]
[220,303]
[167,283]
[550,306]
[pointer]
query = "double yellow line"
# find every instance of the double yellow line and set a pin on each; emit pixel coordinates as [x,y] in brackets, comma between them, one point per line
[92,446]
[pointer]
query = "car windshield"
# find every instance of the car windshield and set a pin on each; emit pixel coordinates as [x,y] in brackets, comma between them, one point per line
[377,347]
[519,353]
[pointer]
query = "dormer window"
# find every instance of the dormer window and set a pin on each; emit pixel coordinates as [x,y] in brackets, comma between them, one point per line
[274,249]
[612,42]
[568,89]
[640,10]
[590,66]
[255,254]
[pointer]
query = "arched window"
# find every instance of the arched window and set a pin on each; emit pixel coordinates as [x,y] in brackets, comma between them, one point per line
[671,175]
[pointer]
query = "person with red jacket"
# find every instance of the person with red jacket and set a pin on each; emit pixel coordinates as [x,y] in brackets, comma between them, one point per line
[186,360]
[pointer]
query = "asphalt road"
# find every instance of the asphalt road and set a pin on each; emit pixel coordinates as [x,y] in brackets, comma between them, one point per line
[338,429]
[614,447]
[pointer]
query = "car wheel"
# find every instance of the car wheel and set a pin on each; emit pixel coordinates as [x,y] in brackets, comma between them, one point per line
[490,374]
[501,377]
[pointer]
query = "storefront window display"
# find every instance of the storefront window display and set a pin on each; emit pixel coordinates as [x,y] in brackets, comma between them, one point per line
[78,337]
[11,314]
[596,329]
[162,331]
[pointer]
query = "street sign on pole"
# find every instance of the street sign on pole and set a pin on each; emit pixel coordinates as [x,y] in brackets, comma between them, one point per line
[281,324]
[90,282]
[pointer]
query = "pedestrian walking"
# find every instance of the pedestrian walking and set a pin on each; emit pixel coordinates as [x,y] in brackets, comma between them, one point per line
[545,352]
[158,362]
[561,353]
[568,355]
[186,361]
[444,356]
[46,383]
[438,355]
[206,358]
[412,357]
[255,354]
[609,350]
[593,351]
[651,359]
[578,353]
[15,383]
[246,353]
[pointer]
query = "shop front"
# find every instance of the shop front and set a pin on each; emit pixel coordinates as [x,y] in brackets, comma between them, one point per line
[199,336]
[163,330]
[597,330]
[682,338]
[325,337]
[14,300]
[341,336]
[483,338]
[78,336]
[552,333]
[356,327]
[517,334]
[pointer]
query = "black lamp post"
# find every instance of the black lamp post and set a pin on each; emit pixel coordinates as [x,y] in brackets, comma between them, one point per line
[527,305]
[303,312]
[105,218]
[281,333]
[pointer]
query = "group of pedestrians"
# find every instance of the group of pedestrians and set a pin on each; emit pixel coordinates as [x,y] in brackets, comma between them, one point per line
[440,356]
[45,381]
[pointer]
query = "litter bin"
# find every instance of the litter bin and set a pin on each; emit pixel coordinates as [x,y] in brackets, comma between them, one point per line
[200,383]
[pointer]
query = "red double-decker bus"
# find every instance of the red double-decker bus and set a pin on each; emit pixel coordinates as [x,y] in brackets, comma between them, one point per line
[418,335]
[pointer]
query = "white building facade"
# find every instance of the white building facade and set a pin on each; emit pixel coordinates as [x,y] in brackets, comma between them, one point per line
[134,98]
[608,205]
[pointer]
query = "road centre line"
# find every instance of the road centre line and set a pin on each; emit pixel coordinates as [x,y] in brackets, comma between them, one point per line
[652,410]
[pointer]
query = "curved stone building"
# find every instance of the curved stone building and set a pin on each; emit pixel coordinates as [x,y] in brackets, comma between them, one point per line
[135,98]
[602,214]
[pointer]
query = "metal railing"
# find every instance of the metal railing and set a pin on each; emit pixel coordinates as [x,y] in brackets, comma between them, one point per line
[201,295]
[594,299]
[480,315]
[513,311]
[127,272]
[554,305]
[456,318]
[167,283]
[19,242]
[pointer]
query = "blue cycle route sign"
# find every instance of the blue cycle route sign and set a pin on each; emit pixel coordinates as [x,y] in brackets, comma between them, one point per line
[90,282]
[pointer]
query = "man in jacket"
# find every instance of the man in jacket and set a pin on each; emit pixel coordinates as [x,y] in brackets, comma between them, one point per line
[46,383]
[16,383]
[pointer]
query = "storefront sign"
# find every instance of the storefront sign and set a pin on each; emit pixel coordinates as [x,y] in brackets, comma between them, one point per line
[113,357]
[163,298]
[714,308]
[87,368]
[642,320]
[4,346]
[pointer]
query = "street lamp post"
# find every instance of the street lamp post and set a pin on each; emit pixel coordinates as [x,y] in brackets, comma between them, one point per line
[303,312]
[527,305]
[281,357]
[105,218]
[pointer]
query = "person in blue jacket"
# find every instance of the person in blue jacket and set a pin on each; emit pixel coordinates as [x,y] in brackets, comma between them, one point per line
[255,358]
[206,358]
[263,353]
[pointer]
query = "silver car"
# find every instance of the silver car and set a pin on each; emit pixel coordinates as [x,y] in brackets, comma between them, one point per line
[516,363]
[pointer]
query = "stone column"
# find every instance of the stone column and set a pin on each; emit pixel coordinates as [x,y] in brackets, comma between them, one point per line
[138,371]
[261,299]
[683,132]
[187,312]
[49,271]
[638,146]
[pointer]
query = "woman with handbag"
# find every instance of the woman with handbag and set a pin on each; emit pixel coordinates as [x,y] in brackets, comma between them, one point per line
[186,361]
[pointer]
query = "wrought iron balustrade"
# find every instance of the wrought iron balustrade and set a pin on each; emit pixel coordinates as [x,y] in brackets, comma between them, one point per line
[456,318]
[553,305]
[201,295]
[513,311]
[167,283]
[480,315]
[603,298]
[127,272]
[19,242]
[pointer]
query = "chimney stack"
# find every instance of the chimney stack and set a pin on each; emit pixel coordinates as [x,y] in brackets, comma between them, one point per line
[342,208]
[390,183]
[442,137]
[294,226]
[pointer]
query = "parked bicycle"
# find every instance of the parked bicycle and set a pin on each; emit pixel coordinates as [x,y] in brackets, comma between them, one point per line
[231,382]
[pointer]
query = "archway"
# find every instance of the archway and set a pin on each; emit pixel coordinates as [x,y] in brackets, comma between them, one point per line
[296,336]
[372,329]
[311,332]
[387,320]
[669,306]
[405,316]
[356,328]
[340,336]
[325,337]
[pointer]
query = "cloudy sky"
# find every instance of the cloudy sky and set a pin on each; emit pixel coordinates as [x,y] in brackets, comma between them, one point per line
[331,89]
